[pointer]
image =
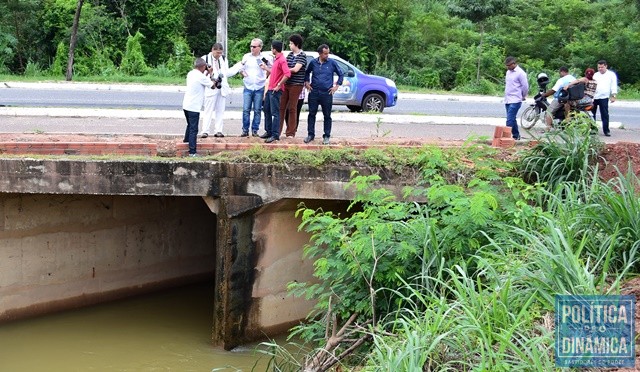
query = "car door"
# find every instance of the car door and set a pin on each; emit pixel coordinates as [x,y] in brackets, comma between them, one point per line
[346,93]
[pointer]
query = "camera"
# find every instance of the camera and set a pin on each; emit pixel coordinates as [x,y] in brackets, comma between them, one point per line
[217,82]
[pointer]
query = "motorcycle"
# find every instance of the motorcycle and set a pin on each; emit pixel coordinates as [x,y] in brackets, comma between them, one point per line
[538,110]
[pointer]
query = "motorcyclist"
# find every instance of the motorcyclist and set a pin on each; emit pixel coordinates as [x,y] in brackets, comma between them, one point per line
[556,105]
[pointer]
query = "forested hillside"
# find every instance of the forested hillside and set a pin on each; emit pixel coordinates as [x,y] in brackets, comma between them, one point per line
[454,44]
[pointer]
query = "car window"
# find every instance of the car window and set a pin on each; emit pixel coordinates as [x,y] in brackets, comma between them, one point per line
[343,66]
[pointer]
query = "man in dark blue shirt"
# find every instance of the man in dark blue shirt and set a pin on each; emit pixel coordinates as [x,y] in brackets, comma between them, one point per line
[319,83]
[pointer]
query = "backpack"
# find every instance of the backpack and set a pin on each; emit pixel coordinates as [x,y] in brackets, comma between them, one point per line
[576,92]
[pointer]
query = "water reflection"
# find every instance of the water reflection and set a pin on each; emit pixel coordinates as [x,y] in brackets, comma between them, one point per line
[167,331]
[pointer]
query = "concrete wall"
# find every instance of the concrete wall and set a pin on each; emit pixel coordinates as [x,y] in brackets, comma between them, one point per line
[63,251]
[279,261]
[279,250]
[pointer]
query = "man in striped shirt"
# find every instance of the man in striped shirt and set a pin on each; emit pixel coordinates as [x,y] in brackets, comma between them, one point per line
[297,63]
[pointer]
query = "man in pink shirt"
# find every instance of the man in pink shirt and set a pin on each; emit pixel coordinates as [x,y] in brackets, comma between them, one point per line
[279,74]
[515,91]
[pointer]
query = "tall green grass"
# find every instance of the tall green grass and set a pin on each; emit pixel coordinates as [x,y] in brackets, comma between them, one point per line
[563,155]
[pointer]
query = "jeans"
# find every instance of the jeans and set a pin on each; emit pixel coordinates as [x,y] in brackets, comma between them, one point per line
[251,98]
[603,103]
[272,113]
[191,133]
[512,112]
[325,100]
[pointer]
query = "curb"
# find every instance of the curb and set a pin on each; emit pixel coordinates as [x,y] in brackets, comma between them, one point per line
[179,149]
[59,112]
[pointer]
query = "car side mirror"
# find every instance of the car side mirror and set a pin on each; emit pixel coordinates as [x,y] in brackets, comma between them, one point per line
[351,73]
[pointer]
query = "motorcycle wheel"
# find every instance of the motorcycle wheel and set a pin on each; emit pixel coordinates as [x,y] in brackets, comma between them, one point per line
[529,117]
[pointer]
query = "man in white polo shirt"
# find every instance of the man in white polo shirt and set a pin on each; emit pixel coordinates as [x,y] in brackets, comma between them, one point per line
[606,90]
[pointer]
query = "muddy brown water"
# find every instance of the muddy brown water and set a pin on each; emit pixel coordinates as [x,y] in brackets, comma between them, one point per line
[164,331]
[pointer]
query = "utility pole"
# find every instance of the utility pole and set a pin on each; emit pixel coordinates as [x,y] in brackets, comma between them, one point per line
[221,25]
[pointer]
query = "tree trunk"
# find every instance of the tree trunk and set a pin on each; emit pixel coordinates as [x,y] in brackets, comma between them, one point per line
[74,39]
[479,53]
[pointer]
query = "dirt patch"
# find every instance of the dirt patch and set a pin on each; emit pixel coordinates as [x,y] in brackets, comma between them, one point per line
[620,156]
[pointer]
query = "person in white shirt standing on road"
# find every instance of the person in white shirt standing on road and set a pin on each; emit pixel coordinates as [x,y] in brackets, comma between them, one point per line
[254,79]
[197,84]
[215,99]
[606,90]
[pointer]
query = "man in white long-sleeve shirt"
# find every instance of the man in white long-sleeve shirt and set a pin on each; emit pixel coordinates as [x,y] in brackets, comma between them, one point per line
[197,83]
[215,99]
[606,91]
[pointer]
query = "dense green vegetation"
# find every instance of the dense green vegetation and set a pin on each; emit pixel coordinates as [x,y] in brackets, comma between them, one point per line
[466,278]
[451,44]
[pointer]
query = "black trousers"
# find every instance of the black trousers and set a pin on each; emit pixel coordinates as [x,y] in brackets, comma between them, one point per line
[603,103]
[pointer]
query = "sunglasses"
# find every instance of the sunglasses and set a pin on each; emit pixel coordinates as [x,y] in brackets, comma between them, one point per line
[255,46]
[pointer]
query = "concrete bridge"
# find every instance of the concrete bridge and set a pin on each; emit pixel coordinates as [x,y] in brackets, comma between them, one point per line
[77,232]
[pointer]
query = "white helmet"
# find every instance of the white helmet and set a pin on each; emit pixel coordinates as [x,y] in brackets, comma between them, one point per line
[543,78]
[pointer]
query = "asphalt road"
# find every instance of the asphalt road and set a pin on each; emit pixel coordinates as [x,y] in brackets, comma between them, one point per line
[170,98]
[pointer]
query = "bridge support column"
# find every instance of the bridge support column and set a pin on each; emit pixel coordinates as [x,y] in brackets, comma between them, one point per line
[235,263]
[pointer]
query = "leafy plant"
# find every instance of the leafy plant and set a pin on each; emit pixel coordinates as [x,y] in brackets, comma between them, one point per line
[181,60]
[33,69]
[133,61]
[562,156]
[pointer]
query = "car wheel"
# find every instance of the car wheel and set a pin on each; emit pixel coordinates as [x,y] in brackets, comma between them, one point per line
[373,102]
[353,108]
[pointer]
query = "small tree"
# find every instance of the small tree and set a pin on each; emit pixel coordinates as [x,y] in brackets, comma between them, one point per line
[181,60]
[74,39]
[133,60]
[478,11]
[7,48]
[59,65]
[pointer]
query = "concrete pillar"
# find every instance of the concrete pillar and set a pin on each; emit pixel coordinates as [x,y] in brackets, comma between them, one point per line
[235,263]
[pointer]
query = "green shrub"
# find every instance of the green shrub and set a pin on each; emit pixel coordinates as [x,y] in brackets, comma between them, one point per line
[484,87]
[97,63]
[161,70]
[59,65]
[133,62]
[181,59]
[33,69]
